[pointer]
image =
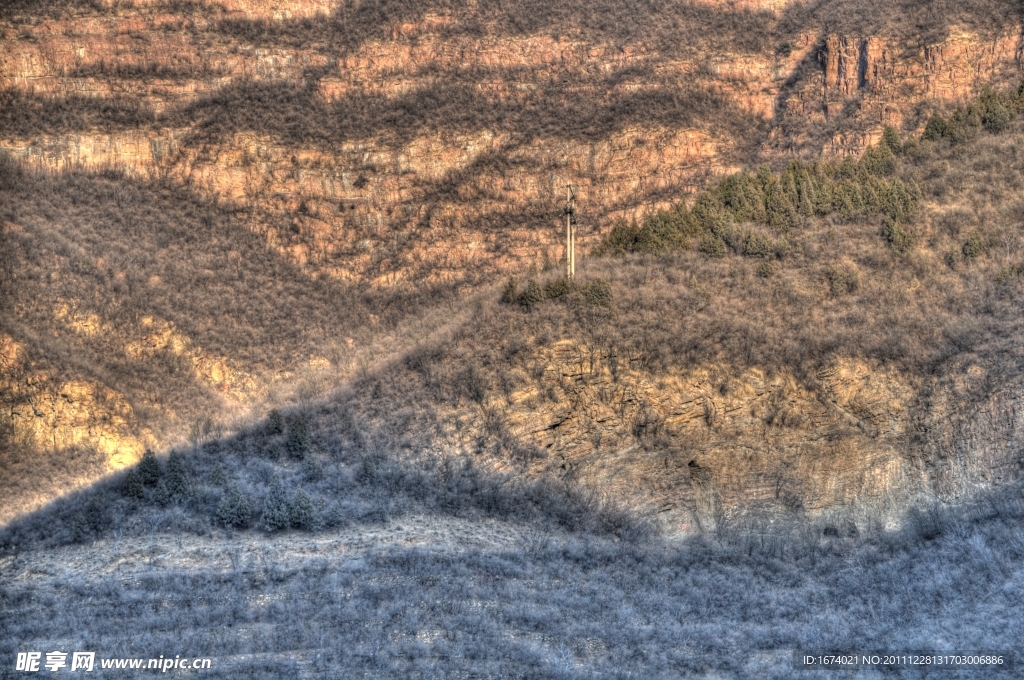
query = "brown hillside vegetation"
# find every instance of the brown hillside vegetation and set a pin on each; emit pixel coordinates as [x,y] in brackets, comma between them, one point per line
[858,363]
[391,141]
[853,366]
[291,375]
[506,496]
[137,315]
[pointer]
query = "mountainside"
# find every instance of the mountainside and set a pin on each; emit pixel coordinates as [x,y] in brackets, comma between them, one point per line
[841,364]
[384,142]
[292,375]
[394,157]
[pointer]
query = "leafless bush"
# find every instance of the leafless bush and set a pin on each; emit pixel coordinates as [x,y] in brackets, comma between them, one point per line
[24,116]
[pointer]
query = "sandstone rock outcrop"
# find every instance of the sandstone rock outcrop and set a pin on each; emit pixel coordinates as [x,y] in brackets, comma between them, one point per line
[370,189]
[711,443]
[51,414]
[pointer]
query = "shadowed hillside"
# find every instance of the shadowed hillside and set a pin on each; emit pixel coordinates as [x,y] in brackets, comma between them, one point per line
[282,554]
[137,315]
[292,377]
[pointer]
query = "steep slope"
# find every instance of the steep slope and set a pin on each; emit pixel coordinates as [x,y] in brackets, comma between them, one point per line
[840,377]
[137,315]
[395,157]
[820,369]
[852,369]
[388,142]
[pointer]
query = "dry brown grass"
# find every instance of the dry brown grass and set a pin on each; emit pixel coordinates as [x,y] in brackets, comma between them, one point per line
[838,292]
[177,307]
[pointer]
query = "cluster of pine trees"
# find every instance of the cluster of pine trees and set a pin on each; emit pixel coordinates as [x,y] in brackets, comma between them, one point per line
[596,292]
[282,507]
[990,111]
[166,485]
[720,218]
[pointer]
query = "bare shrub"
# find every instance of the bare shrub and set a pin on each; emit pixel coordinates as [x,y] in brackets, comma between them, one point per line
[843,279]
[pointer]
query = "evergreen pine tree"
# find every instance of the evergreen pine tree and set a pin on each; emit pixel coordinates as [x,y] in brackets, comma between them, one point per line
[879,161]
[897,201]
[162,495]
[510,293]
[806,191]
[598,292]
[90,521]
[177,480]
[997,117]
[218,476]
[275,422]
[234,509]
[133,484]
[297,443]
[900,240]
[975,245]
[533,295]
[312,470]
[780,211]
[936,128]
[891,139]
[302,512]
[789,182]
[149,468]
[276,514]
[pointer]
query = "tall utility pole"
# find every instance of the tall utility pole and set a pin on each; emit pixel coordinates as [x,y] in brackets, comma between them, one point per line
[570,232]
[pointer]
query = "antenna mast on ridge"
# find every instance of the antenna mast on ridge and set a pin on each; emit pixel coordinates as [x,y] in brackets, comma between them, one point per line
[570,231]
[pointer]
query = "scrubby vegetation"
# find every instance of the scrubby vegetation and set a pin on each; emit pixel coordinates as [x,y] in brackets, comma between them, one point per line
[127,253]
[680,25]
[677,28]
[280,561]
[353,472]
[991,111]
[142,287]
[23,115]
[726,218]
[757,215]
[668,311]
[413,512]
[594,292]
[453,102]
[543,602]
[953,206]
[931,21]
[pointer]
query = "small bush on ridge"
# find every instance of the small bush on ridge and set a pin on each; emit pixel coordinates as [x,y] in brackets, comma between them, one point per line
[596,292]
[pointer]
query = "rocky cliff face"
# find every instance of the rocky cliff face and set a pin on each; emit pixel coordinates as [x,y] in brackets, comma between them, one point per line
[871,81]
[699,446]
[715,445]
[58,432]
[436,200]
[51,414]
[973,432]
